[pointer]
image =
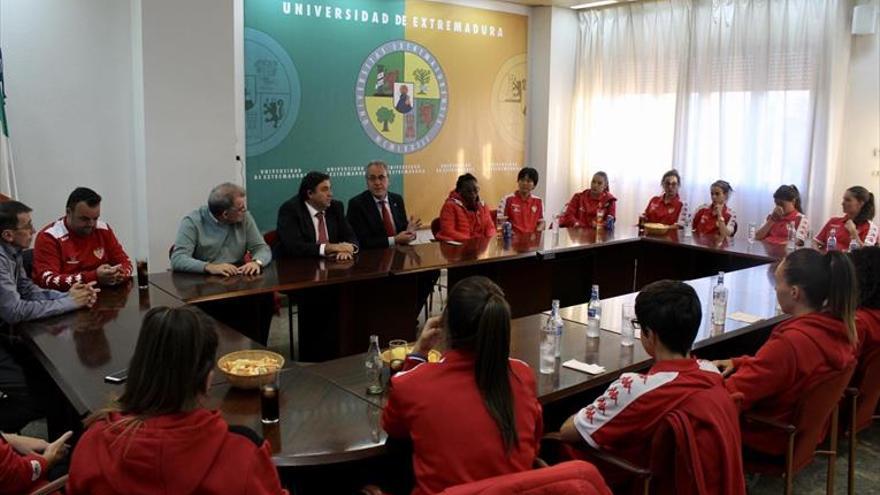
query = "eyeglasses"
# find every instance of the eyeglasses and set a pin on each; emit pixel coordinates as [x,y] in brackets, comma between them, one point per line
[670,183]
[374,178]
[241,209]
[635,324]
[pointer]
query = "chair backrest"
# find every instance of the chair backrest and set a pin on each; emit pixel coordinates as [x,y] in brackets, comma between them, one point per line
[435,226]
[867,381]
[271,238]
[568,477]
[813,411]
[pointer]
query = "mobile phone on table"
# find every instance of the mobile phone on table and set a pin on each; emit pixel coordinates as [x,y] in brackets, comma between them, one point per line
[453,243]
[117,377]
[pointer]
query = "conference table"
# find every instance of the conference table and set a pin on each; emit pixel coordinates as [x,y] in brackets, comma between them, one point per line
[348,300]
[328,419]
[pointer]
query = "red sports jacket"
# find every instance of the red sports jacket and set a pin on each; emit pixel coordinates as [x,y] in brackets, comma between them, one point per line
[457,223]
[20,473]
[455,440]
[192,452]
[798,353]
[62,258]
[581,210]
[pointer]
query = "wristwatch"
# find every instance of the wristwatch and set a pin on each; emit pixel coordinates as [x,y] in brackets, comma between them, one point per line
[259,262]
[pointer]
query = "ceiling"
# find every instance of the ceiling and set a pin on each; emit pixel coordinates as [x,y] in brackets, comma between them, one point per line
[557,3]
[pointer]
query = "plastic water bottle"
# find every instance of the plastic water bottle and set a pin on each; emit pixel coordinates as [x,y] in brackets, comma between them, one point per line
[792,237]
[719,301]
[373,364]
[752,232]
[831,243]
[688,229]
[853,245]
[549,347]
[558,325]
[594,312]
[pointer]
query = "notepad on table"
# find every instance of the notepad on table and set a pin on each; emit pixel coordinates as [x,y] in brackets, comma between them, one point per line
[744,317]
[593,369]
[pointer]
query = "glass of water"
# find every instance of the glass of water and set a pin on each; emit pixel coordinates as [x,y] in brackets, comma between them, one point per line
[752,229]
[627,329]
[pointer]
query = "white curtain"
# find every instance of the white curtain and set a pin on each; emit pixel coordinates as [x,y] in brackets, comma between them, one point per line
[741,90]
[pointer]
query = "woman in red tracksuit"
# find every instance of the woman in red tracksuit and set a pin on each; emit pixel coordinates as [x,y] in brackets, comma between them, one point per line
[856,224]
[667,208]
[787,212]
[475,414]
[25,462]
[464,216]
[819,292]
[716,217]
[159,439]
[584,207]
[867,263]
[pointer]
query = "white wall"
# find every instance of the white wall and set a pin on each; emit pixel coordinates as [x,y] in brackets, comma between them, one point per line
[861,130]
[68,82]
[189,110]
[552,45]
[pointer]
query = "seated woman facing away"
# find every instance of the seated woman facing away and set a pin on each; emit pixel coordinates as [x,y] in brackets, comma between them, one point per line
[819,292]
[475,414]
[158,438]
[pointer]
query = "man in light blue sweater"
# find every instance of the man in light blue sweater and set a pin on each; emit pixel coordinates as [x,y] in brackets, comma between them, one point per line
[214,238]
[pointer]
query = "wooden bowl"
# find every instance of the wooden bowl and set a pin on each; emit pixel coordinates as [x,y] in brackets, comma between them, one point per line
[250,381]
[657,228]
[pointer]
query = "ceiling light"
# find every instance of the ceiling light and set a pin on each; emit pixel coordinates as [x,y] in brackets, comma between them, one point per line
[590,5]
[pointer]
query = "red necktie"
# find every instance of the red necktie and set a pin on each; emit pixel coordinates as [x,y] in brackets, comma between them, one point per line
[386,219]
[322,228]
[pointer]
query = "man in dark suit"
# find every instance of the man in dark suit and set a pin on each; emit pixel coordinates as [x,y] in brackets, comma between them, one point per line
[378,216]
[312,223]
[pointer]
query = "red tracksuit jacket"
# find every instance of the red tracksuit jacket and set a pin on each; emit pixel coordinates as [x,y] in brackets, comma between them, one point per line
[581,210]
[184,453]
[868,233]
[62,258]
[704,219]
[798,352]
[624,419]
[673,213]
[457,223]
[523,214]
[455,440]
[19,473]
[779,231]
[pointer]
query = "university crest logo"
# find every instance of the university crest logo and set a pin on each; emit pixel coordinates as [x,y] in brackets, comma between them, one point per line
[402,96]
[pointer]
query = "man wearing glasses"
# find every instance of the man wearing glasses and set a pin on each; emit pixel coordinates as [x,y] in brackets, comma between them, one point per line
[222,239]
[215,238]
[22,300]
[377,215]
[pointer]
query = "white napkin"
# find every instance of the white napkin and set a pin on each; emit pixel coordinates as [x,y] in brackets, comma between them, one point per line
[744,317]
[593,369]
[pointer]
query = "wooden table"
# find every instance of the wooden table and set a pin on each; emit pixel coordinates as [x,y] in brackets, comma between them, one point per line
[80,348]
[341,304]
[327,417]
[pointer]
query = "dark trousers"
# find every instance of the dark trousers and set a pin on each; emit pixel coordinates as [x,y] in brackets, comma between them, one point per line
[30,393]
[249,315]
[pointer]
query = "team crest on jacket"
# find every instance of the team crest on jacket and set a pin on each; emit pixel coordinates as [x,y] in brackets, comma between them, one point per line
[99,253]
[534,209]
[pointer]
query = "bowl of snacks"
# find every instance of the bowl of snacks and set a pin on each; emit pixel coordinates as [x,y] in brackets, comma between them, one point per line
[250,369]
[395,356]
[652,228]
